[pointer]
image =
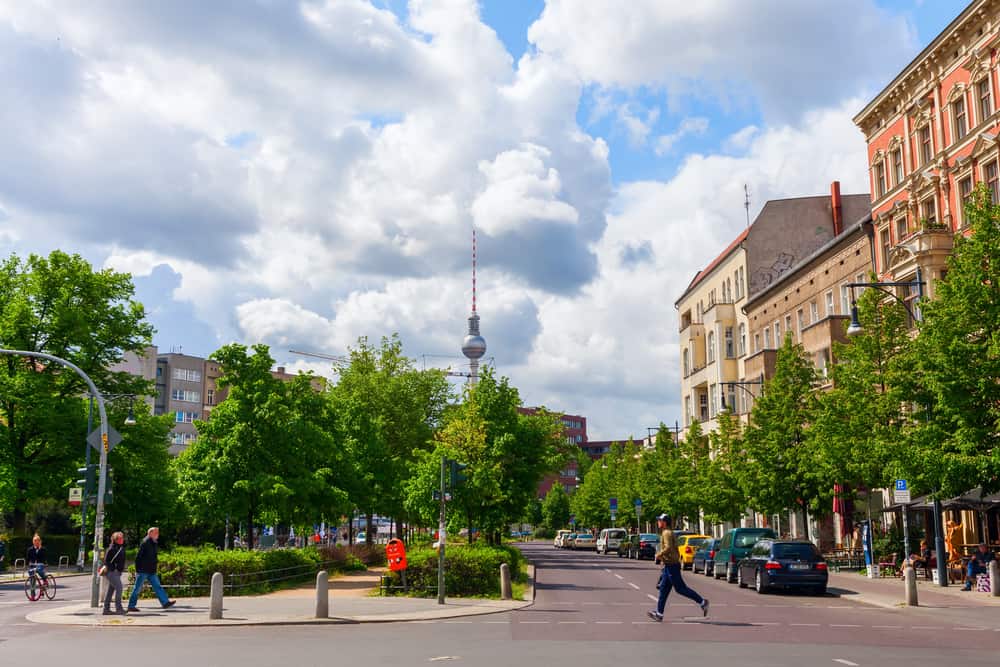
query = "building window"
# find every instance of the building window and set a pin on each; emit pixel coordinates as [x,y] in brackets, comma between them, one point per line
[730,347]
[880,178]
[926,148]
[985,99]
[767,338]
[928,211]
[740,287]
[703,407]
[777,334]
[886,245]
[185,395]
[802,321]
[845,299]
[711,346]
[743,339]
[756,343]
[964,192]
[187,374]
[813,312]
[897,165]
[687,363]
[829,304]
[788,324]
[712,408]
[210,397]
[687,411]
[993,181]
[959,117]
[901,228]
[183,417]
[711,298]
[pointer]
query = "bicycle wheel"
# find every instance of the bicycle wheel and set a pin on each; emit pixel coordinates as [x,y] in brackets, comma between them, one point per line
[31,589]
[50,587]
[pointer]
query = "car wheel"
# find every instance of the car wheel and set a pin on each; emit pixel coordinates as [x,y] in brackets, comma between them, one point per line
[739,578]
[715,573]
[758,583]
[730,575]
[709,571]
[694,568]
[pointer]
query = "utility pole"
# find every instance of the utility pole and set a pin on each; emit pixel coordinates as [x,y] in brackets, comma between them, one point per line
[441,536]
[81,555]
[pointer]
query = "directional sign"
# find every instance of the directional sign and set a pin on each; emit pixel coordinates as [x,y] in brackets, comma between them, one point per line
[901,493]
[638,502]
[75,495]
[114,437]
[613,503]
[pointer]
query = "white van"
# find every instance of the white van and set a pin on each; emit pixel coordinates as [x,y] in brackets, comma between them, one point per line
[560,541]
[610,539]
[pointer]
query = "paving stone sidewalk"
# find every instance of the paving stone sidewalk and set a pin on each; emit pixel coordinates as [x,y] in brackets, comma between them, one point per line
[889,592]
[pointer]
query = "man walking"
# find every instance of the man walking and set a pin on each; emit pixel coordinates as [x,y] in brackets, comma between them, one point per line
[670,577]
[145,568]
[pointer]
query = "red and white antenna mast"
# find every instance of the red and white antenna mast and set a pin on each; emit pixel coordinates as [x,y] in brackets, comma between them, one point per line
[474,345]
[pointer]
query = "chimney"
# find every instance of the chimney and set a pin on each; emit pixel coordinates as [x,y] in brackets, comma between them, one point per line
[838,211]
[281,370]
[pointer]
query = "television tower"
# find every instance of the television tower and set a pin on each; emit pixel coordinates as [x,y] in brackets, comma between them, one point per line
[474,345]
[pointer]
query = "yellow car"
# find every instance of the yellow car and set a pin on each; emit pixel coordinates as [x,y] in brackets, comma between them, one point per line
[687,545]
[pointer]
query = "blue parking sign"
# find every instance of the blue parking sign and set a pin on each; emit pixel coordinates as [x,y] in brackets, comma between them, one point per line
[613,503]
[901,485]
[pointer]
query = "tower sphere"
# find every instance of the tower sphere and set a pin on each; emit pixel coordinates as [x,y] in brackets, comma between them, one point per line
[474,347]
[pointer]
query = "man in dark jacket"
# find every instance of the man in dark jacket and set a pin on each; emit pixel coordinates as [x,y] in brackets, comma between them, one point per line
[145,568]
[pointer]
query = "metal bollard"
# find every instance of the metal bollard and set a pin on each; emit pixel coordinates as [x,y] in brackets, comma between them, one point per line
[505,588]
[322,594]
[215,606]
[910,582]
[994,579]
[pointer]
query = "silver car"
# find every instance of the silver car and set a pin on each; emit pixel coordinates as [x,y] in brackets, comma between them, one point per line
[610,539]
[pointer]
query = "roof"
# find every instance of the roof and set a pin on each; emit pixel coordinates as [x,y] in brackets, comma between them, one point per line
[704,273]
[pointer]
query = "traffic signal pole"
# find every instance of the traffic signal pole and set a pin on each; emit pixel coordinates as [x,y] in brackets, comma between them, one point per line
[81,555]
[441,536]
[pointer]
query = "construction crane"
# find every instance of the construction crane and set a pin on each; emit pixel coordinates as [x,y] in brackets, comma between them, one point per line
[338,361]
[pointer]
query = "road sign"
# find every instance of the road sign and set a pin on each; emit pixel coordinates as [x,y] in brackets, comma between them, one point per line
[901,493]
[613,503]
[114,437]
[75,496]
[638,502]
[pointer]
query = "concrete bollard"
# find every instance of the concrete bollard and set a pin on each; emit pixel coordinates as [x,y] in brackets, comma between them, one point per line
[322,594]
[910,582]
[506,592]
[995,579]
[215,606]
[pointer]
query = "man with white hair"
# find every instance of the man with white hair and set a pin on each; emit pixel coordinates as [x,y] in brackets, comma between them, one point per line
[145,569]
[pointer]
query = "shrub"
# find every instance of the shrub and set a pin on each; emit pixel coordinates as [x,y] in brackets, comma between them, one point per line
[469,570]
[55,546]
[544,533]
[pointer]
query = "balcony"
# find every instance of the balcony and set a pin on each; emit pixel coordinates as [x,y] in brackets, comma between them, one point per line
[691,331]
[760,363]
[820,335]
[929,247]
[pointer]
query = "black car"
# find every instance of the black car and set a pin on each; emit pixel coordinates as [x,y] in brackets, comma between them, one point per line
[704,557]
[783,564]
[644,545]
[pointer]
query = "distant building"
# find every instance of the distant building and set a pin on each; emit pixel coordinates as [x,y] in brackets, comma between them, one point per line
[575,432]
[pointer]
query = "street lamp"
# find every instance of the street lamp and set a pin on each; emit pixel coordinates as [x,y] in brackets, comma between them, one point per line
[855,329]
[742,385]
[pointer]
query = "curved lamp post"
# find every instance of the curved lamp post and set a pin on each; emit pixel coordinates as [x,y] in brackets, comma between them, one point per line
[101,479]
[854,329]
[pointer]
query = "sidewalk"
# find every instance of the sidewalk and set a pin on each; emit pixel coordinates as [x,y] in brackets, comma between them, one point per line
[889,592]
[349,603]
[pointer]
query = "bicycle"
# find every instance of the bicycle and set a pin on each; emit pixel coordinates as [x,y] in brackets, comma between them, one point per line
[35,587]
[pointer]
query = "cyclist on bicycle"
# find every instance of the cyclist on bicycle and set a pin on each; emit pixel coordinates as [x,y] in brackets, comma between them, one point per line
[36,557]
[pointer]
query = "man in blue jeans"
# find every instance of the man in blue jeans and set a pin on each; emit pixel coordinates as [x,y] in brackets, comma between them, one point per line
[978,564]
[145,568]
[670,578]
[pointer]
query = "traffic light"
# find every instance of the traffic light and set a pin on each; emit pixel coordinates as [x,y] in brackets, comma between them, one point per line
[457,474]
[89,479]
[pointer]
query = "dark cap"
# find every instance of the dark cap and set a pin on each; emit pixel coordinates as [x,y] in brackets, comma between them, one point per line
[663,517]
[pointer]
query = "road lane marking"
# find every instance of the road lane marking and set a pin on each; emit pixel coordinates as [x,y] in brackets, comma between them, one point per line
[804,625]
[591,603]
[743,604]
[572,622]
[532,622]
[607,570]
[971,629]
[926,627]
[846,662]
[644,623]
[633,585]
[497,622]
[620,577]
[767,623]
[608,622]
[459,622]
[843,625]
[652,597]
[887,627]
[621,604]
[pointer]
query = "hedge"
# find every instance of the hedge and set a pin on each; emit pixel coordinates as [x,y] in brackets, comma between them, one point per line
[469,570]
[187,571]
[55,546]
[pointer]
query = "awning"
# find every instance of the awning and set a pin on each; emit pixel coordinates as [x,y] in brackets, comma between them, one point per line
[919,503]
[973,500]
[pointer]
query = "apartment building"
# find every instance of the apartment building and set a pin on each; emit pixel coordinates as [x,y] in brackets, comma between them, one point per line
[180,386]
[716,341]
[932,136]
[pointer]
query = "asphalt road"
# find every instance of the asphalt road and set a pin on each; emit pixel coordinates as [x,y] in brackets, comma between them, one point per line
[589,610]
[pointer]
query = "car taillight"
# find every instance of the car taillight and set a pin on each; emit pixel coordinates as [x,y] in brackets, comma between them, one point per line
[688,550]
[732,558]
[711,554]
[820,566]
[643,544]
[772,565]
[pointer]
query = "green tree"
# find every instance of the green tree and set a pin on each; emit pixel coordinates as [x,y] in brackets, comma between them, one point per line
[386,412]
[782,470]
[59,305]
[954,385]
[718,486]
[263,452]
[555,508]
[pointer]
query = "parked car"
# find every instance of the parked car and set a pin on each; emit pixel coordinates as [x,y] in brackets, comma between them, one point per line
[704,557]
[784,564]
[643,545]
[584,541]
[687,545]
[569,541]
[559,541]
[735,546]
[610,539]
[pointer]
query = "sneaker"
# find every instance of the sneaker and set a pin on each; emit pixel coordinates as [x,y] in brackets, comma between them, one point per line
[106,612]
[170,603]
[967,587]
[704,607]
[133,609]
[655,615]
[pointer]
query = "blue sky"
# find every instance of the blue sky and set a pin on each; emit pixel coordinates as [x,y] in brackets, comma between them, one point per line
[303,174]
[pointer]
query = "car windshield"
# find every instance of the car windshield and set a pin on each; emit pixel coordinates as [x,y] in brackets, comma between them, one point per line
[800,551]
[745,540]
[696,541]
[649,537]
[616,535]
[585,536]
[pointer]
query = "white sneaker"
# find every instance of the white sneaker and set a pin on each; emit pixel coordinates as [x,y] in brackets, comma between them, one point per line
[655,615]
[704,607]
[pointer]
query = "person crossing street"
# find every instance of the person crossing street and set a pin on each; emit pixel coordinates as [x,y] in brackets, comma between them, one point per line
[670,577]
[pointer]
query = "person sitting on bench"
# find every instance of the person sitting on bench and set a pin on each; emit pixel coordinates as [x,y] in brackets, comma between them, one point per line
[978,564]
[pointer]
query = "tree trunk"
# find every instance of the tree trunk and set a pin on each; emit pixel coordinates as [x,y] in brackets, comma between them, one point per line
[250,542]
[369,524]
[399,529]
